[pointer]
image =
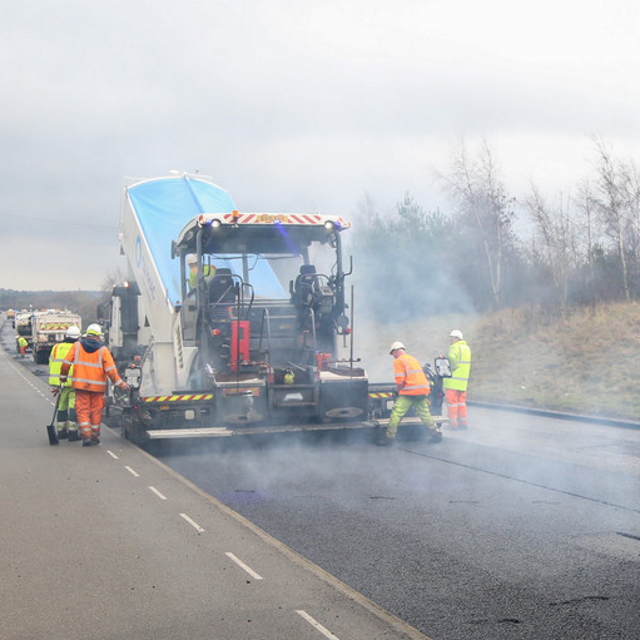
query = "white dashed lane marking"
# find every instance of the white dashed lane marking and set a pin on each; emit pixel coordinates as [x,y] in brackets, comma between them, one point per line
[316,625]
[154,490]
[256,576]
[194,524]
[249,570]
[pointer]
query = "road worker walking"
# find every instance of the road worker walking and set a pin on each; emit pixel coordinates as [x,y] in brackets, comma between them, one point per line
[413,389]
[66,415]
[456,386]
[92,364]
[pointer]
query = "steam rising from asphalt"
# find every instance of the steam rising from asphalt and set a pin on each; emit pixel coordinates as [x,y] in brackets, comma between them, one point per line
[256,469]
[470,485]
[425,335]
[485,472]
[514,496]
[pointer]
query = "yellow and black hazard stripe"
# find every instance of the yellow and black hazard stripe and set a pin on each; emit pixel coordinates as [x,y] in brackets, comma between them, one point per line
[184,397]
[381,394]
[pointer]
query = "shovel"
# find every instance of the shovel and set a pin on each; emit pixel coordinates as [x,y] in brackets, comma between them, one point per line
[52,432]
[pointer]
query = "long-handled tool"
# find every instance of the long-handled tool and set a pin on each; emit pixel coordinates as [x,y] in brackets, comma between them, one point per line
[52,432]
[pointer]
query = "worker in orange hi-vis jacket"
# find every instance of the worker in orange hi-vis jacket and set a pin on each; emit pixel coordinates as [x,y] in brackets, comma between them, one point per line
[413,390]
[92,364]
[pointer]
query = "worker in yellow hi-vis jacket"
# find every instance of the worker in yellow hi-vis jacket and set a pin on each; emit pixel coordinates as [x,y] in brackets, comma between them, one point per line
[66,423]
[456,386]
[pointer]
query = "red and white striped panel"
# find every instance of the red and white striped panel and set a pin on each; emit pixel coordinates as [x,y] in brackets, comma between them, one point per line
[314,219]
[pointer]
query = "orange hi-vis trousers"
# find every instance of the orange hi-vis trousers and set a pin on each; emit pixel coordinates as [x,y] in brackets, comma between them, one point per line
[456,408]
[89,407]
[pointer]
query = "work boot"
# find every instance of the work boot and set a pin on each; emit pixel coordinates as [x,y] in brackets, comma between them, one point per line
[86,442]
[63,433]
[436,436]
[385,442]
[74,436]
[95,440]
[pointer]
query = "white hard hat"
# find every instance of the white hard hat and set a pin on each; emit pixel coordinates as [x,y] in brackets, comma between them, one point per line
[94,330]
[192,258]
[396,345]
[73,332]
[456,333]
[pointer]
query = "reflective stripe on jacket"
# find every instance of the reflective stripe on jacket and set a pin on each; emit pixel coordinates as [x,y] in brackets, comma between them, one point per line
[409,376]
[460,357]
[56,358]
[90,370]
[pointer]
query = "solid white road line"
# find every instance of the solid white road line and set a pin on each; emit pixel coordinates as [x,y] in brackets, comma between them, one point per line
[249,570]
[20,371]
[162,497]
[195,525]
[314,623]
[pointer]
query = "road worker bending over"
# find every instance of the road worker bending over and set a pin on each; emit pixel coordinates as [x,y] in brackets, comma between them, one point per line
[92,364]
[455,387]
[413,389]
[22,344]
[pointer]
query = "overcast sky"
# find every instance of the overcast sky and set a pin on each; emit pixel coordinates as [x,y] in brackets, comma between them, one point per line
[291,105]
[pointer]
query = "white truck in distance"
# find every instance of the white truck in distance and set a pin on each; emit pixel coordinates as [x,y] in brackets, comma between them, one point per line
[48,328]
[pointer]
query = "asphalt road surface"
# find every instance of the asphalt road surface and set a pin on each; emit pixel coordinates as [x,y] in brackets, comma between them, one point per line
[106,543]
[520,527]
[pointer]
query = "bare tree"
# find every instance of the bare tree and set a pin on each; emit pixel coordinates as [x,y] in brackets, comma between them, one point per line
[556,233]
[585,202]
[630,181]
[483,203]
[367,210]
[111,279]
[617,202]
